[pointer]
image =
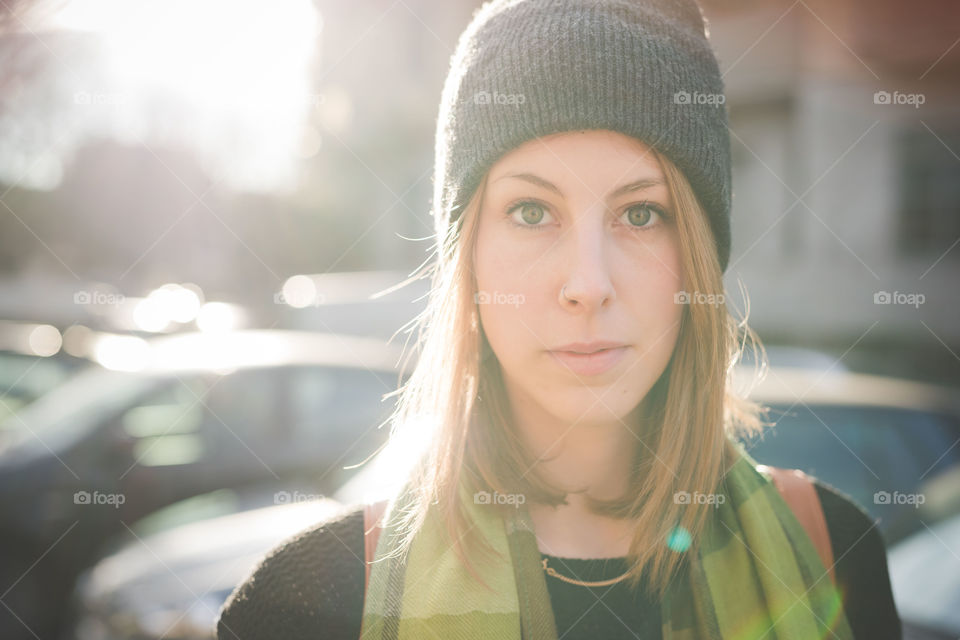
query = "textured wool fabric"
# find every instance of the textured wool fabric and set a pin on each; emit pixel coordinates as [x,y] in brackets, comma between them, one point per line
[524,69]
[755,572]
[311,585]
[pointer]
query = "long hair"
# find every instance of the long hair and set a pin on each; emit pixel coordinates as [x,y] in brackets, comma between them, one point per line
[454,414]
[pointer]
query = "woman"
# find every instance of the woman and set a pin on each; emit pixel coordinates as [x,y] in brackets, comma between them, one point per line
[579,476]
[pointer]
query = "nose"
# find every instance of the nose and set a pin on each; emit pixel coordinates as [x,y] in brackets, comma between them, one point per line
[586,252]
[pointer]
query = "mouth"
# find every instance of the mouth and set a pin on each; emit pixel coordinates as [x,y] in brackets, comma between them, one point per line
[590,363]
[584,353]
[586,348]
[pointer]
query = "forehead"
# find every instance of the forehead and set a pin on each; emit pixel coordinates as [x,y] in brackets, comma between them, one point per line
[597,153]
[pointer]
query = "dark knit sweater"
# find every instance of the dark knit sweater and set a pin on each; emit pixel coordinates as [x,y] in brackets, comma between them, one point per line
[311,586]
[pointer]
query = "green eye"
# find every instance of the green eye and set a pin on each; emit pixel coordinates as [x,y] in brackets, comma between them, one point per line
[531,214]
[639,215]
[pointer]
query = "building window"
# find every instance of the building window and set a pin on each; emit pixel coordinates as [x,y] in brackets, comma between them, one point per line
[929,202]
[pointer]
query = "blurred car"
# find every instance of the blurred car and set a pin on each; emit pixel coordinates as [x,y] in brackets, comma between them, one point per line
[171,573]
[171,584]
[779,355]
[884,441]
[24,378]
[200,412]
[844,426]
[925,573]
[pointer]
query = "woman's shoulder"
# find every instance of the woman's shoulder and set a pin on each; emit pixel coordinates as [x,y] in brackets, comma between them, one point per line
[848,523]
[313,580]
[860,563]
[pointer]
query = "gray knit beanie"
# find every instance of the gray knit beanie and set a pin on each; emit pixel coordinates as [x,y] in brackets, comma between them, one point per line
[524,69]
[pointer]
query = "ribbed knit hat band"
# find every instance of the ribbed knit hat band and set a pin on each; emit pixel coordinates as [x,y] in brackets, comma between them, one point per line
[524,69]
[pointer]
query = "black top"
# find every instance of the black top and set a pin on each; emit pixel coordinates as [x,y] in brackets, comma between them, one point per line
[312,586]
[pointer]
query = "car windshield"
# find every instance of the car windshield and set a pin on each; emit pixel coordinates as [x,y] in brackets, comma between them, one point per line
[60,417]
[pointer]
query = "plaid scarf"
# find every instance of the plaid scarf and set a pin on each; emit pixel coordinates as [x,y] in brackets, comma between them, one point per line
[756,574]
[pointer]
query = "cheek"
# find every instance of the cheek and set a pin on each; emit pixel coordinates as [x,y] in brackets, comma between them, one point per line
[510,293]
[654,274]
[653,316]
[670,279]
[498,254]
[506,265]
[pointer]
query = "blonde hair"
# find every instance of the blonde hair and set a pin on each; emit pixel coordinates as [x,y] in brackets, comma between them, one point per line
[456,393]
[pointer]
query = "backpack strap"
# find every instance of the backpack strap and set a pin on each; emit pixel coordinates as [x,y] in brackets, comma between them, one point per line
[371,534]
[798,491]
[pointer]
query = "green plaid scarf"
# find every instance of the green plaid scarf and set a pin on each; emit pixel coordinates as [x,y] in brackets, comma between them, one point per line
[756,574]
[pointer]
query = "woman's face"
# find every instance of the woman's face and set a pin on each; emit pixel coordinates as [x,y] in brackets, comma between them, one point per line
[588,210]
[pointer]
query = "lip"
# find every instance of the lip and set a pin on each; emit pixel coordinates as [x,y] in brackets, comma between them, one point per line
[589,347]
[590,364]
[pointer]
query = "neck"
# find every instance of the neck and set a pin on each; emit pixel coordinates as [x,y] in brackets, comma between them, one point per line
[585,459]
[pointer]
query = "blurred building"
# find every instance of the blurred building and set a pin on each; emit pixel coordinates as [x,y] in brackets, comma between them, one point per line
[846,139]
[843,118]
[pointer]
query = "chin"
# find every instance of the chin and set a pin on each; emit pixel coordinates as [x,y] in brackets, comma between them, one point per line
[591,405]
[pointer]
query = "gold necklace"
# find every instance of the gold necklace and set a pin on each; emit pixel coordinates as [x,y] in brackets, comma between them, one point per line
[600,583]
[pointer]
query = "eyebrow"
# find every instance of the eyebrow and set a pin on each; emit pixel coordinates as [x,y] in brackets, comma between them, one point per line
[636,185]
